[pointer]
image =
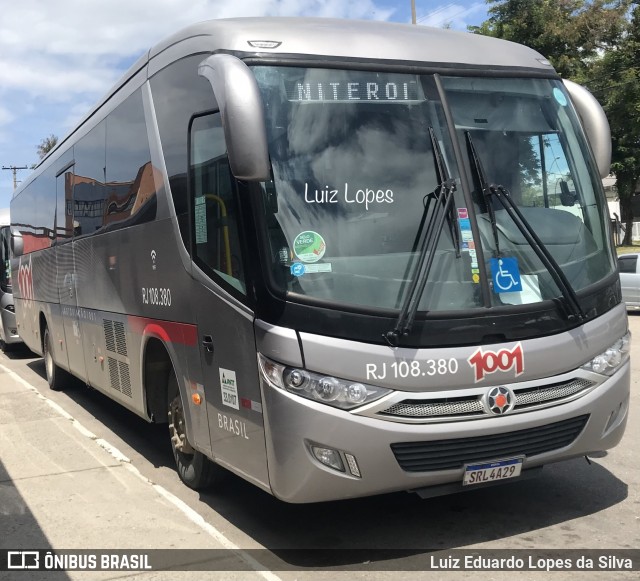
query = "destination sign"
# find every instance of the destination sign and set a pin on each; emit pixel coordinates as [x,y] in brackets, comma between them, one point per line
[390,89]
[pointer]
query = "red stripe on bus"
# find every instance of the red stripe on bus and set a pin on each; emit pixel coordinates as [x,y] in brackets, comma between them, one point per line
[168,331]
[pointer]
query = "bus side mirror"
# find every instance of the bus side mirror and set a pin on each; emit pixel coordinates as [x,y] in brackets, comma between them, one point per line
[17,244]
[242,113]
[595,125]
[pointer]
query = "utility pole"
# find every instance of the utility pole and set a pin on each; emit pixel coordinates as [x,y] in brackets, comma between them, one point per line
[14,169]
[413,11]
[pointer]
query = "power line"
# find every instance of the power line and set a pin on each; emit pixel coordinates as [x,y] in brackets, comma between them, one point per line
[444,9]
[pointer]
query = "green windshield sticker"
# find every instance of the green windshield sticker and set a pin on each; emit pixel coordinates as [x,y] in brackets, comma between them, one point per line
[309,246]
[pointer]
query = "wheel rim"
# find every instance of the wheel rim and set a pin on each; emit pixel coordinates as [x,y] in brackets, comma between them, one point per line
[177,429]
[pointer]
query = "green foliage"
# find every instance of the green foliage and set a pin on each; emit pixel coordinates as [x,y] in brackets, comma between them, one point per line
[615,81]
[46,145]
[570,33]
[595,43]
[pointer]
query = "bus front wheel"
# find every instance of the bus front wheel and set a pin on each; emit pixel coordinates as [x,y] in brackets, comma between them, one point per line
[194,468]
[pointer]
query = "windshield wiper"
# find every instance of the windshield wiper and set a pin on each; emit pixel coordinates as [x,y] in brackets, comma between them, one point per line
[504,197]
[483,185]
[426,242]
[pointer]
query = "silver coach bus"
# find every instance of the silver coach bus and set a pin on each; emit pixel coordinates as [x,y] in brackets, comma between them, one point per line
[8,327]
[339,258]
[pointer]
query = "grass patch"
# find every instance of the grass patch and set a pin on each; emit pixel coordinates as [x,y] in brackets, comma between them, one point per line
[627,249]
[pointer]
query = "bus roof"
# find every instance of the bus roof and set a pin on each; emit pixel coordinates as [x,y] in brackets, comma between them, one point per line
[360,39]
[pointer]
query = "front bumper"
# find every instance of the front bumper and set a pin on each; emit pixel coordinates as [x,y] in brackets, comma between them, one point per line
[293,424]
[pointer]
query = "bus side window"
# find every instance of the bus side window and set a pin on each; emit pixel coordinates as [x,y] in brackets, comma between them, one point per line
[216,242]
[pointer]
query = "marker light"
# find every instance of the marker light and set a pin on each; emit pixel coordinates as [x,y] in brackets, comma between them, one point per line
[340,393]
[264,43]
[353,465]
[611,360]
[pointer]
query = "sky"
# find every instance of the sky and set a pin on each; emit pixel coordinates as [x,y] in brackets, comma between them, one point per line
[59,57]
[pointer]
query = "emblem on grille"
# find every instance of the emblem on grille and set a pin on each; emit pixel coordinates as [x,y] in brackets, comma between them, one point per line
[500,400]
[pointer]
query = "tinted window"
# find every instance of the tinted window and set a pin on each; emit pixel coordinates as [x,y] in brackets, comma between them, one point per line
[33,211]
[88,182]
[627,263]
[179,93]
[130,193]
[215,218]
[64,193]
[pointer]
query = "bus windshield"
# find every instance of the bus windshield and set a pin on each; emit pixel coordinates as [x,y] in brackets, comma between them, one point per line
[354,169]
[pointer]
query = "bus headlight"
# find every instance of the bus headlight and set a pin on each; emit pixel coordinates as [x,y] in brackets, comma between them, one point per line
[340,393]
[611,360]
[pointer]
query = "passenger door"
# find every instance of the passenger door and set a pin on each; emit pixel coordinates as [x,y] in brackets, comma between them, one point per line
[67,280]
[225,323]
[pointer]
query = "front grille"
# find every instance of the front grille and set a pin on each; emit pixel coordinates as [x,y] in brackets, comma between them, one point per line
[538,395]
[434,408]
[471,406]
[455,453]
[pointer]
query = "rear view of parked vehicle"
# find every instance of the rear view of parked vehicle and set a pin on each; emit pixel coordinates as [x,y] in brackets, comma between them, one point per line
[8,327]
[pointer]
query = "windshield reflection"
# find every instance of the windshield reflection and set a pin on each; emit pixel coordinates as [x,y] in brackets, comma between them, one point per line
[353,166]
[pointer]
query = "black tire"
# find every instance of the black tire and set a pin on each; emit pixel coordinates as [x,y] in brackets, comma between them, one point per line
[194,468]
[57,378]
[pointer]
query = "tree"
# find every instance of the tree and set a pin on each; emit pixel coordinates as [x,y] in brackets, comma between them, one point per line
[615,81]
[596,44]
[570,33]
[46,145]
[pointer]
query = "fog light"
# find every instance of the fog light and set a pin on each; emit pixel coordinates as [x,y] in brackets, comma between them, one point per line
[353,465]
[328,457]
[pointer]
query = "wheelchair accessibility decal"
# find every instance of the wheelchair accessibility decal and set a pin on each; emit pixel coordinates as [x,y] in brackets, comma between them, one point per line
[506,275]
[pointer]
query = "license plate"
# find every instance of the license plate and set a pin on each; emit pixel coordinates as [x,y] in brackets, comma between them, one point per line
[491,471]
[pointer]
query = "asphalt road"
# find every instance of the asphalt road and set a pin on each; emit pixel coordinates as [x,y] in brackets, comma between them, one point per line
[572,505]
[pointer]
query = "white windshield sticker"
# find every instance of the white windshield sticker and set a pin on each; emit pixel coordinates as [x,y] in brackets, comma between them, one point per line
[229,388]
[201,219]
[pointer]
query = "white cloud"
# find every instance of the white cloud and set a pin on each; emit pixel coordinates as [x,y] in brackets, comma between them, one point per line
[58,57]
[59,49]
[5,116]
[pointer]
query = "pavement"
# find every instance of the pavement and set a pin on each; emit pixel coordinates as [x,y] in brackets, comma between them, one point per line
[61,487]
